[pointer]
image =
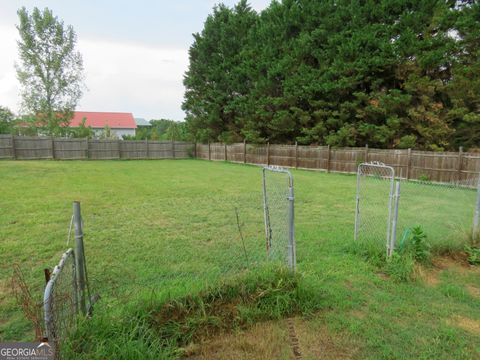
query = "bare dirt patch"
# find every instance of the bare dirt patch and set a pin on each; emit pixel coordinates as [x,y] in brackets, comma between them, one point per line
[358,314]
[467,324]
[457,262]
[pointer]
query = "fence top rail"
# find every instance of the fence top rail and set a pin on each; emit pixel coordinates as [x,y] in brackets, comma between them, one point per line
[47,298]
[375,164]
[279,169]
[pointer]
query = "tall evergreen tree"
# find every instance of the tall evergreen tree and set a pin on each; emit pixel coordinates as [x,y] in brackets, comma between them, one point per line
[390,73]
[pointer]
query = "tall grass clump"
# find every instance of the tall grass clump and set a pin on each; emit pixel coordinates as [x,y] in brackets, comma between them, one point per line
[162,327]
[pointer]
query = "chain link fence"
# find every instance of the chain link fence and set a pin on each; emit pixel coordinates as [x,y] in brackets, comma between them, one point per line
[374,205]
[61,301]
[278,200]
[386,210]
[445,212]
[223,240]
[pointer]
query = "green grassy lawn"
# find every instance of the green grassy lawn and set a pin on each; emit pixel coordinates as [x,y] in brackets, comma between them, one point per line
[157,230]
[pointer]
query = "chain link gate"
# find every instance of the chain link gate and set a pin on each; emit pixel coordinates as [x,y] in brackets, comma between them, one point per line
[61,301]
[278,203]
[376,205]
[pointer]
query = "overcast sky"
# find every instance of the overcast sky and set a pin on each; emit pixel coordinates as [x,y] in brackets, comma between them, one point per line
[135,52]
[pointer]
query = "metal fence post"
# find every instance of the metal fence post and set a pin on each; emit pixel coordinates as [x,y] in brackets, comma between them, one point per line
[357,205]
[292,258]
[79,257]
[393,238]
[476,217]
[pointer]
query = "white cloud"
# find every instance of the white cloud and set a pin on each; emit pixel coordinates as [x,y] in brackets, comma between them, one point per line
[125,77]
[9,86]
[133,78]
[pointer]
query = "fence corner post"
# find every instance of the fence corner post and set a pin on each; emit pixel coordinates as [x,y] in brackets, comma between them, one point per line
[476,217]
[292,258]
[79,257]
[393,237]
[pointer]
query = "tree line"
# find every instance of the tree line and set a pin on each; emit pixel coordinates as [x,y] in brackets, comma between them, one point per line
[388,73]
[161,129]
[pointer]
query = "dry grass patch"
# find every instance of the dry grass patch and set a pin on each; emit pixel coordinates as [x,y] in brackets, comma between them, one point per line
[457,261]
[317,342]
[267,340]
[470,325]
[430,276]
[473,291]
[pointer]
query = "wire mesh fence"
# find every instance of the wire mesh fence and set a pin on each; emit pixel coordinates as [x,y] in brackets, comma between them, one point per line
[374,204]
[61,301]
[223,239]
[445,212]
[385,214]
[278,198]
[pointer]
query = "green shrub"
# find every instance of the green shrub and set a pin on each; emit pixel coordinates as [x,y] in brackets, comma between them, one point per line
[412,248]
[424,178]
[473,254]
[415,244]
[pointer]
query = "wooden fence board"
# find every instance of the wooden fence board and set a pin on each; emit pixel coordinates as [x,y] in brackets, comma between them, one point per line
[436,166]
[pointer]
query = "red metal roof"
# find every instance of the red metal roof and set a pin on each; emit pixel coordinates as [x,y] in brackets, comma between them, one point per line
[115,120]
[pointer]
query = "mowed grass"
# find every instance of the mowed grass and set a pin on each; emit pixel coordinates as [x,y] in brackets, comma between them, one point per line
[159,229]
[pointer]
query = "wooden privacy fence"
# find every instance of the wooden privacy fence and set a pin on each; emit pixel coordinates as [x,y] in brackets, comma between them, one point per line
[30,148]
[409,164]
